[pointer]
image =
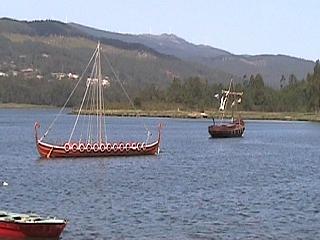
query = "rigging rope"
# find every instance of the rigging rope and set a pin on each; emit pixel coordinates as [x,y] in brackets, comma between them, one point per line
[75,124]
[68,99]
[101,137]
[97,96]
[86,107]
[124,90]
[91,101]
[95,102]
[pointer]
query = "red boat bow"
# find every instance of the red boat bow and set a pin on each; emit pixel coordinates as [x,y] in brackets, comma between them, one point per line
[13,225]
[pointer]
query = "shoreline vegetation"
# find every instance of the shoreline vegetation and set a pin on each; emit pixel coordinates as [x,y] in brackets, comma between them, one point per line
[247,115]
[24,106]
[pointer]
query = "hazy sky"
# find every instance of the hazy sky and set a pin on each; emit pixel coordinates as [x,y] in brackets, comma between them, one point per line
[290,27]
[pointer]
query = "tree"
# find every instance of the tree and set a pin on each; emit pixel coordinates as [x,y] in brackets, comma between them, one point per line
[292,80]
[137,102]
[282,81]
[174,92]
[314,88]
[257,91]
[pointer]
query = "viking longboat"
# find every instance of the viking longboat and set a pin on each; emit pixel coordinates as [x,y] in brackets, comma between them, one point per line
[233,128]
[90,123]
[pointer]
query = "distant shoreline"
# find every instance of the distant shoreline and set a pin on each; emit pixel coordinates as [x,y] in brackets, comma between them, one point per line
[246,115]
[23,106]
[282,116]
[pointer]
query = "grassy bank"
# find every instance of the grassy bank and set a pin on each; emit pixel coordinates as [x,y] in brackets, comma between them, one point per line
[207,114]
[22,106]
[167,113]
[285,116]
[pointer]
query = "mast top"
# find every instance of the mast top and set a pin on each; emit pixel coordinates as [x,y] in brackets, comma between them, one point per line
[232,93]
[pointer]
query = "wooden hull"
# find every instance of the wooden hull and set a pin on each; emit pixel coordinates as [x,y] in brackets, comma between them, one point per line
[73,150]
[235,129]
[47,150]
[31,230]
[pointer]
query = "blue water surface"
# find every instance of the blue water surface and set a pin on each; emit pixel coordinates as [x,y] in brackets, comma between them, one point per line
[262,186]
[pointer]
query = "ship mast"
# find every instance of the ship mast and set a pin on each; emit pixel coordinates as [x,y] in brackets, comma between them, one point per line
[90,124]
[226,94]
[100,98]
[101,137]
[93,101]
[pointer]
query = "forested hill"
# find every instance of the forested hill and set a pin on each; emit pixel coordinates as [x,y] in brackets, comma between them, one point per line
[50,56]
[40,62]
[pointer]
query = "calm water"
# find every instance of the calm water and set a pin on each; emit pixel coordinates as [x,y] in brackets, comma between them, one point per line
[265,185]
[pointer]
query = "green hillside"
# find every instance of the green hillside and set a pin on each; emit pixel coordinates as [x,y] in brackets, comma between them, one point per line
[45,55]
[68,50]
[41,61]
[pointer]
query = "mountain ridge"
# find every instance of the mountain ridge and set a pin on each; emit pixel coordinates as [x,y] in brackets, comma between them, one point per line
[239,65]
[149,39]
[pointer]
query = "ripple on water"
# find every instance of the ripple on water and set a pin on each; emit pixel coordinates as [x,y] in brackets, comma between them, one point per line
[262,186]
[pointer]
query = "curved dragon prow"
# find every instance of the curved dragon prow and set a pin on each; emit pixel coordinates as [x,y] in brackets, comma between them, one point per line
[36,126]
[159,131]
[159,136]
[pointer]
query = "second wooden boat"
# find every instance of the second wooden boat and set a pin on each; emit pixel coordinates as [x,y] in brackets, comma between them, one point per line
[227,129]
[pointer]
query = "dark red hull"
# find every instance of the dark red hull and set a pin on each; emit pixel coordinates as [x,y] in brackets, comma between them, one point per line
[235,129]
[31,230]
[73,150]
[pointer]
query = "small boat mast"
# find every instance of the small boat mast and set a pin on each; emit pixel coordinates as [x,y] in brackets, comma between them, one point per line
[226,96]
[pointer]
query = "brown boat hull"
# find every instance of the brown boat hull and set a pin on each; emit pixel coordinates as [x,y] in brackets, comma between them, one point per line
[31,230]
[235,129]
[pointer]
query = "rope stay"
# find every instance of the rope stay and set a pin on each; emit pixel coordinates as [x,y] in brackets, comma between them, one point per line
[93,102]
[68,99]
[78,115]
[224,99]
[225,95]
[93,126]
[125,92]
[86,107]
